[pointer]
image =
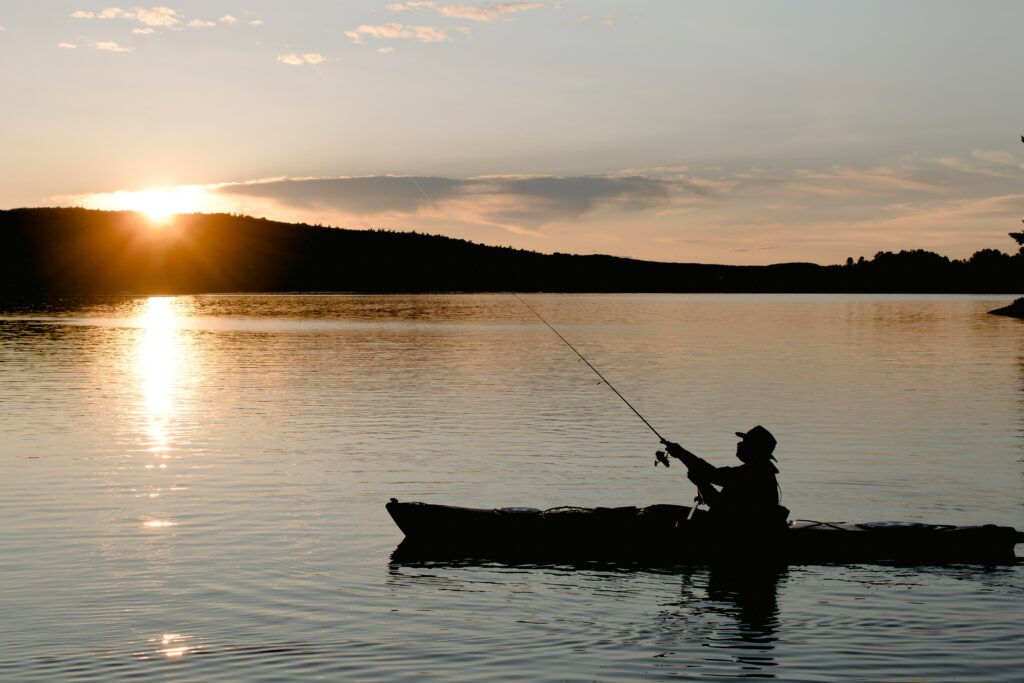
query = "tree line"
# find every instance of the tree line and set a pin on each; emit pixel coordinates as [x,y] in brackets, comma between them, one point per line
[81,251]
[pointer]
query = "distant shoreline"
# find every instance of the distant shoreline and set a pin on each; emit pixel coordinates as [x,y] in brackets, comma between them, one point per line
[70,251]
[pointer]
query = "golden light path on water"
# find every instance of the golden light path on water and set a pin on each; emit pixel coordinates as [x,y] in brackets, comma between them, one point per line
[159,363]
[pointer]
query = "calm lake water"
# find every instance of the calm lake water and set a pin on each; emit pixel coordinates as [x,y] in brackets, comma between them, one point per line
[193,488]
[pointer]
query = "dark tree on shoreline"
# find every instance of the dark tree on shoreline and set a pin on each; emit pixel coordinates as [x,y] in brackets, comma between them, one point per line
[1015,309]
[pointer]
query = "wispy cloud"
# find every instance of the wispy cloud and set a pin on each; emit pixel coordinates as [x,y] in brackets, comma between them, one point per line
[108,13]
[485,13]
[998,158]
[845,181]
[587,19]
[67,46]
[154,16]
[143,31]
[111,46]
[200,23]
[228,19]
[396,31]
[985,162]
[519,204]
[157,16]
[299,60]
[489,13]
[413,4]
[257,22]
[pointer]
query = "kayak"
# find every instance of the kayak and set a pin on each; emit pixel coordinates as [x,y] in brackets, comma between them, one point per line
[668,533]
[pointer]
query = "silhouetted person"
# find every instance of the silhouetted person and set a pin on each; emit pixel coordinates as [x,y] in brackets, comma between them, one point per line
[749,497]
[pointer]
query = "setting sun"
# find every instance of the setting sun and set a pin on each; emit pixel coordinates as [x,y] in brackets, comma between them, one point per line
[158,205]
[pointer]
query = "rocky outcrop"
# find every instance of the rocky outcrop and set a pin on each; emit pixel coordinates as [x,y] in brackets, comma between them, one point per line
[1014,310]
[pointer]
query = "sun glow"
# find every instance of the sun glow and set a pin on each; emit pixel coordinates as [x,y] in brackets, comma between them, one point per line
[158,205]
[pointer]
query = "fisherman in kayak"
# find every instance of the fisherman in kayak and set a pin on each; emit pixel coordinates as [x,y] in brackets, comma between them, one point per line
[750,492]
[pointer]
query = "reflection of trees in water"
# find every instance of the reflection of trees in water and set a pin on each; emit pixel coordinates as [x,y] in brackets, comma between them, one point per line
[732,610]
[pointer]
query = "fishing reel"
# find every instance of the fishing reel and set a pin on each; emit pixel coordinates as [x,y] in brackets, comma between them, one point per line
[662,457]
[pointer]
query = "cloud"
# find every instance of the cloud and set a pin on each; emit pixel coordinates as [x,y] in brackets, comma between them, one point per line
[67,46]
[299,60]
[423,34]
[142,31]
[840,181]
[157,16]
[483,13]
[985,162]
[228,19]
[488,13]
[154,16]
[199,23]
[997,157]
[108,13]
[587,19]
[110,46]
[385,50]
[257,22]
[520,204]
[413,4]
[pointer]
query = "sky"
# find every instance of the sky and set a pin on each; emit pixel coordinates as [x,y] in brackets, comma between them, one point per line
[716,132]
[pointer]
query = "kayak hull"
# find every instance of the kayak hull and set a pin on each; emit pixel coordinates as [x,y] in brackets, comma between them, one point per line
[666,534]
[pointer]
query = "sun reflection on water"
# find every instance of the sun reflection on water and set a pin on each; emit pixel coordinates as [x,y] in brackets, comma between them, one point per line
[158,364]
[158,523]
[171,645]
[160,356]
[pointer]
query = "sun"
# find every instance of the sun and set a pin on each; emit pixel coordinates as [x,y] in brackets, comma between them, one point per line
[160,206]
[157,205]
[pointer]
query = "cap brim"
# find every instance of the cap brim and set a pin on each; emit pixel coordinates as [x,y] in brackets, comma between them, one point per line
[742,435]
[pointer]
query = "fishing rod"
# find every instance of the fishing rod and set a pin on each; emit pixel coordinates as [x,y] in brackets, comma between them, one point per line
[598,372]
[660,456]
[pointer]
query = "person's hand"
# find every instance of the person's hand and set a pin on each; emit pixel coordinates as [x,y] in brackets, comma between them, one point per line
[675,450]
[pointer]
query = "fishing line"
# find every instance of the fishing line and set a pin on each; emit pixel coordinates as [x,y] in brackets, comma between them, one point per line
[591,366]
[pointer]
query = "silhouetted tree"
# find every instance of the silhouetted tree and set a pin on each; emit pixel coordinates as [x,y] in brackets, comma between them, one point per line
[1016,309]
[1019,236]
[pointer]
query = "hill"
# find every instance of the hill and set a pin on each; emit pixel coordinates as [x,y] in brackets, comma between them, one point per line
[80,251]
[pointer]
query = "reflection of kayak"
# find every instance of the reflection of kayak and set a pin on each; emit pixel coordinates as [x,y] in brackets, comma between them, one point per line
[662,533]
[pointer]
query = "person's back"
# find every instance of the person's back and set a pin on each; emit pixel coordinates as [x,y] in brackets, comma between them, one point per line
[749,495]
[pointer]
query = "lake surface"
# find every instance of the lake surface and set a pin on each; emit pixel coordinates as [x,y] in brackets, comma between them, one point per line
[193,488]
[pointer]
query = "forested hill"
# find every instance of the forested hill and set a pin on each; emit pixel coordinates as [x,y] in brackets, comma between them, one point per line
[80,251]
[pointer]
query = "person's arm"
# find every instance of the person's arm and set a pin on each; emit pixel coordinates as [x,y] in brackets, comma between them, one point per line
[697,466]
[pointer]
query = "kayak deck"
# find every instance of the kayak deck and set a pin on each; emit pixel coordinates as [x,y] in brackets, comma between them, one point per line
[665,533]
